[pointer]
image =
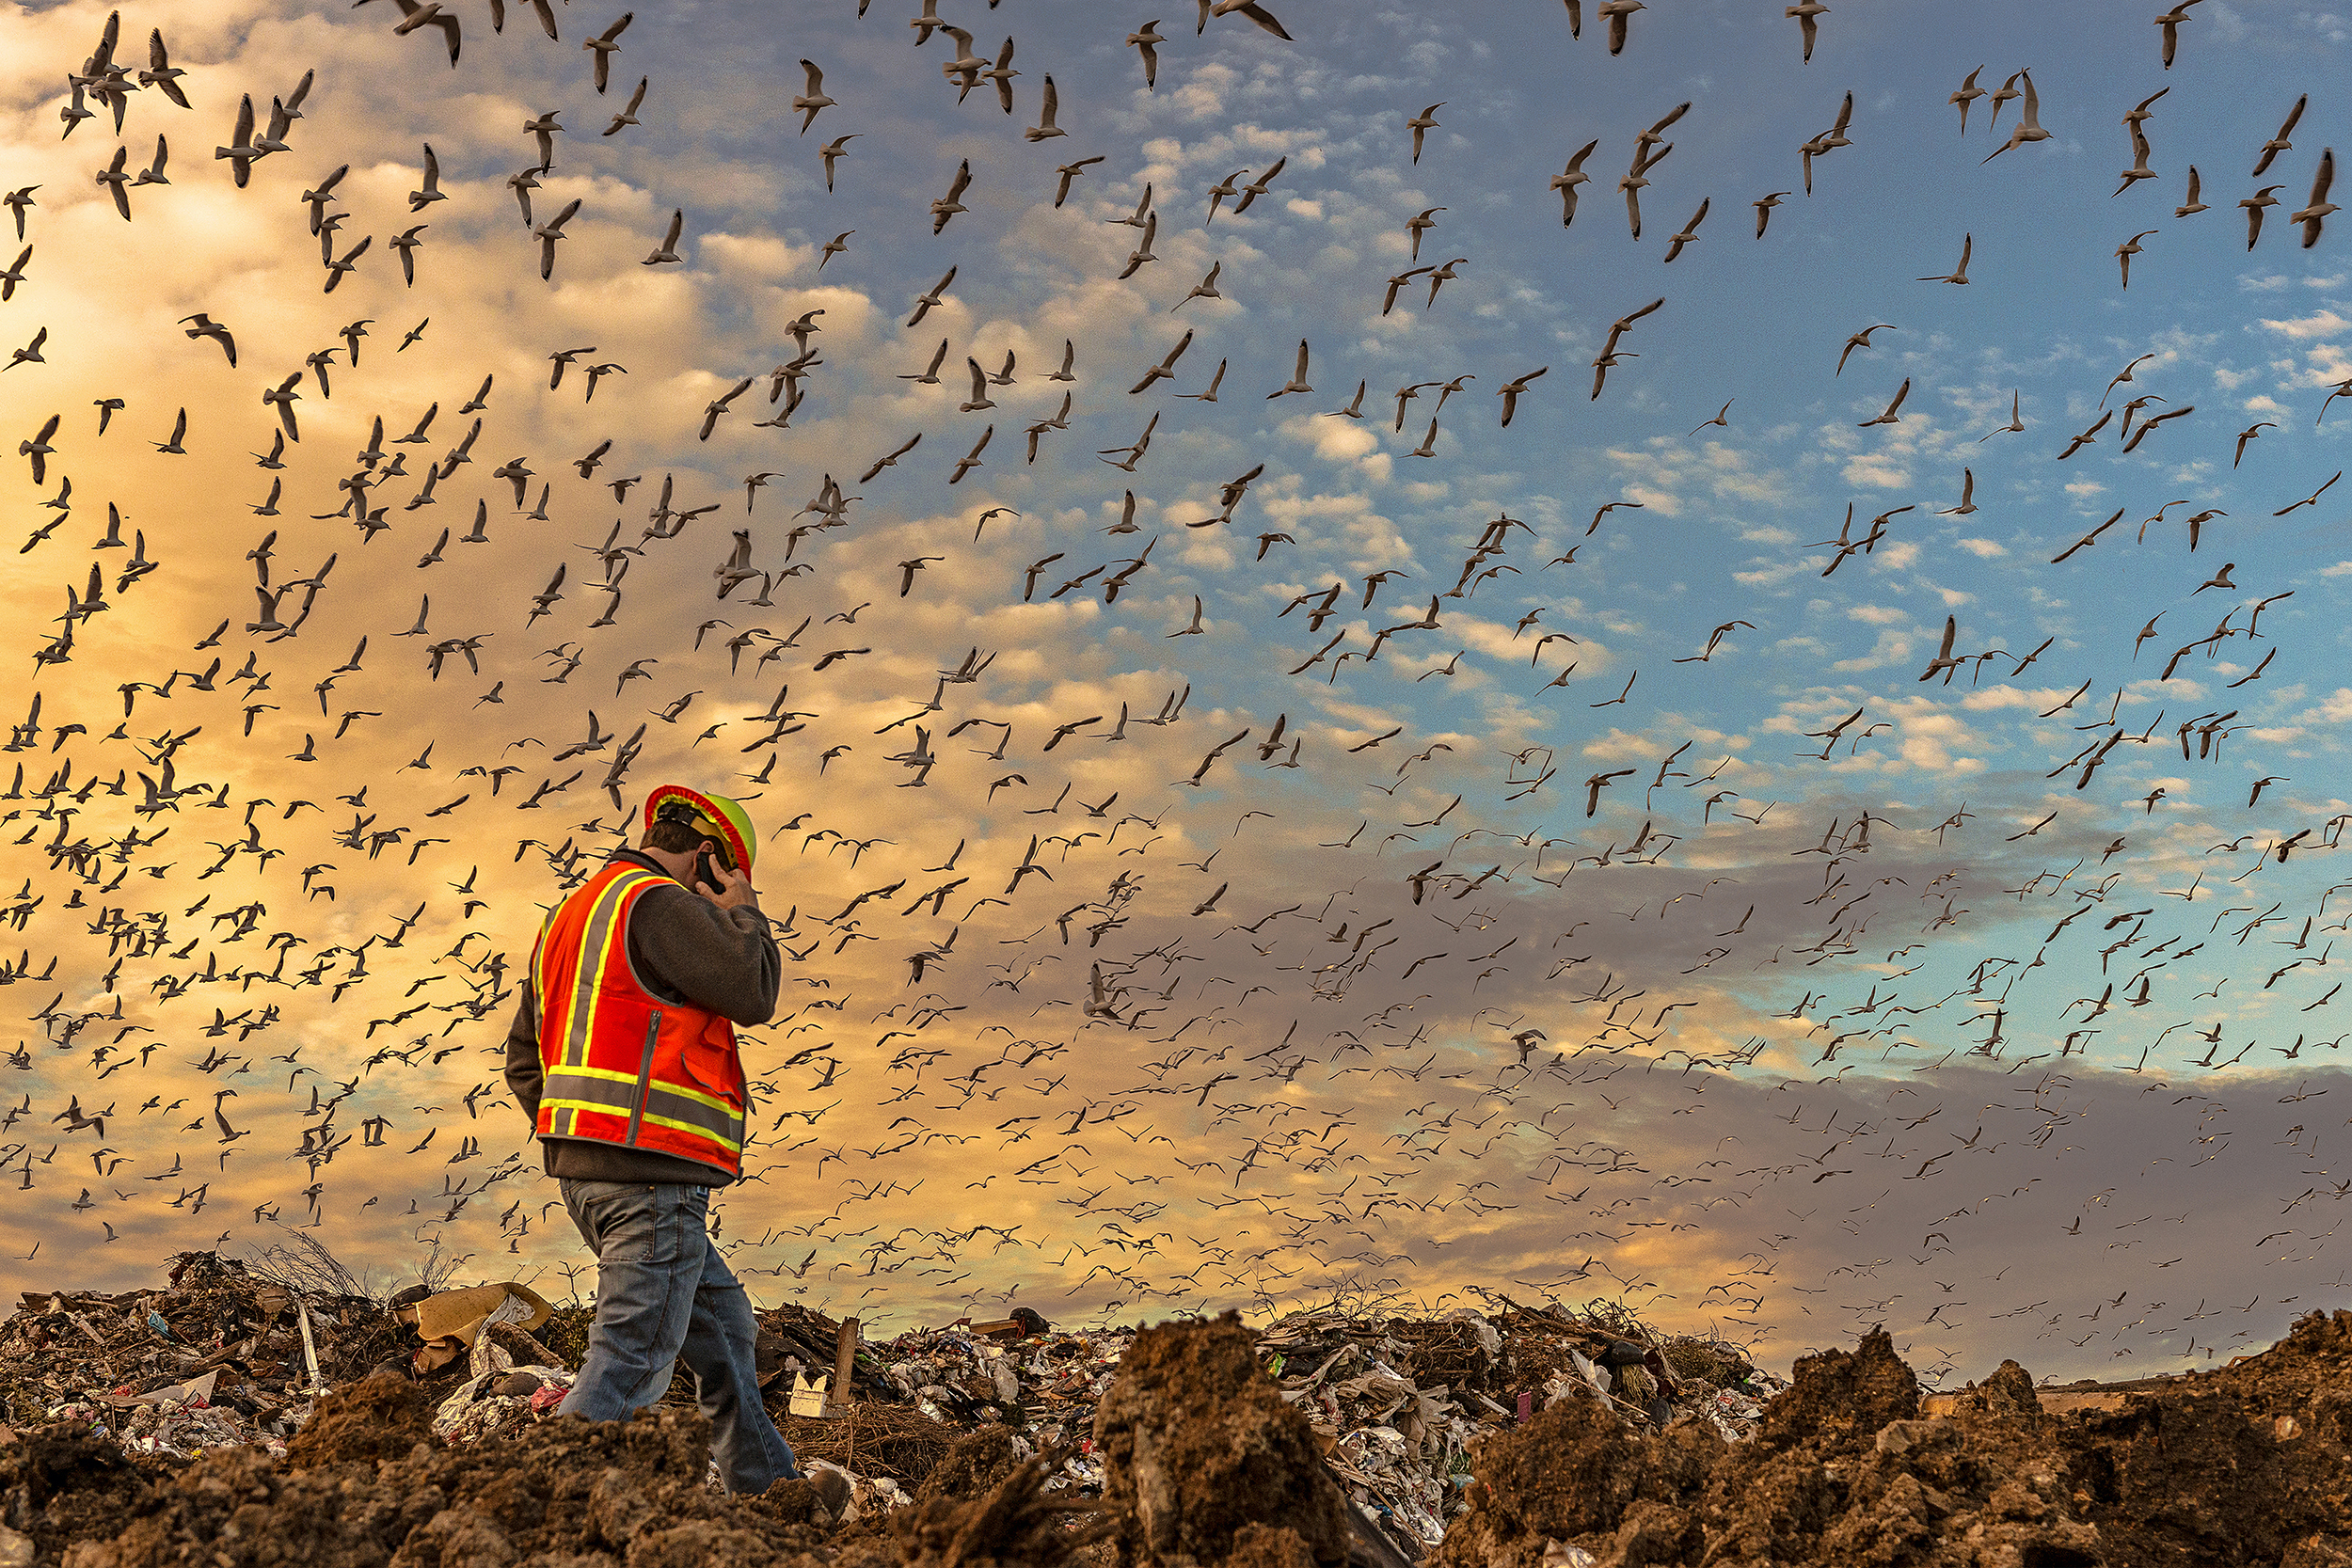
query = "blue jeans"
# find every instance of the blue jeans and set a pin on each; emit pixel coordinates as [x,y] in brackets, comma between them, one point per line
[664,1295]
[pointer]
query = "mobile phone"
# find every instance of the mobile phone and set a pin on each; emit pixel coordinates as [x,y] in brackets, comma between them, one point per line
[705,872]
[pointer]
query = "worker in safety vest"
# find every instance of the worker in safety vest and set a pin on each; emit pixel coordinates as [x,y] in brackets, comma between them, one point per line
[623,1054]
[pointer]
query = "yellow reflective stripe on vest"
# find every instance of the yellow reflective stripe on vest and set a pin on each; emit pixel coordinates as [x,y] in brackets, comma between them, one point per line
[604,937]
[700,1130]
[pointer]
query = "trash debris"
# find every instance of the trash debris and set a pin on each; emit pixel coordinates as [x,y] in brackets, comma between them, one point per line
[1504,1436]
[451,1323]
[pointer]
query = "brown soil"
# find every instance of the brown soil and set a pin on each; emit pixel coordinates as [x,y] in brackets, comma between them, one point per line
[1013,1524]
[60,1487]
[2245,1465]
[585,1495]
[975,1465]
[1201,1445]
[1210,1468]
[380,1417]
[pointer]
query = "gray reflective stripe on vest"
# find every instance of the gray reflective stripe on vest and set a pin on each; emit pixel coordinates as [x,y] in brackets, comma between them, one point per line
[618,1094]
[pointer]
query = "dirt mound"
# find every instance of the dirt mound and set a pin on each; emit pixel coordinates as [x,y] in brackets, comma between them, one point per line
[974,1467]
[568,1492]
[1576,1473]
[1201,1445]
[1016,1523]
[380,1417]
[2244,1465]
[1205,1464]
[1842,1397]
[60,1486]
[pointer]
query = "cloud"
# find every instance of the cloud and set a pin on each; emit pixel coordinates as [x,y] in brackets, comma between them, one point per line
[2321,323]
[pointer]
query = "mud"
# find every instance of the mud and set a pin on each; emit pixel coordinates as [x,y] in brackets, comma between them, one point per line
[1208,1467]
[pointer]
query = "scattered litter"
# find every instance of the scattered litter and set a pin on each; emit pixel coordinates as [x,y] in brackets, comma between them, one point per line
[1506,1436]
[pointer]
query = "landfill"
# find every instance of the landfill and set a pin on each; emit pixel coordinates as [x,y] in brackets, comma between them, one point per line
[229,1418]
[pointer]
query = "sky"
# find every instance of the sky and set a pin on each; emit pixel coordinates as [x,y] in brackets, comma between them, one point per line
[1647,898]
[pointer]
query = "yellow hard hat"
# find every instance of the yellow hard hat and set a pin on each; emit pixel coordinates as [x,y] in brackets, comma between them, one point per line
[722,818]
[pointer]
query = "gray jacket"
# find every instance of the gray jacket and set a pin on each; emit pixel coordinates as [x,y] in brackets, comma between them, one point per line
[687,950]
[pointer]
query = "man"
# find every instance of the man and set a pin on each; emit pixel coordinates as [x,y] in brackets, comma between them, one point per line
[624,1055]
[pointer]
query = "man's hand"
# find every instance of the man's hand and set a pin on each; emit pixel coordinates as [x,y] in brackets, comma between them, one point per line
[732,890]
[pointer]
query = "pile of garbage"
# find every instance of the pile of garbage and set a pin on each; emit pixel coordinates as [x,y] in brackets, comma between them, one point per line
[1516,1438]
[218,1356]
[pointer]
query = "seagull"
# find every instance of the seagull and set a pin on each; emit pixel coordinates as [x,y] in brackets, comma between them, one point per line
[2312,216]
[1959,274]
[2129,248]
[1807,17]
[629,116]
[1297,383]
[1045,128]
[1422,122]
[405,242]
[282,396]
[547,233]
[1569,178]
[1166,367]
[2192,205]
[419,201]
[153,173]
[604,45]
[1146,43]
[430,14]
[240,155]
[1969,92]
[2279,143]
[2254,205]
[1618,12]
[1509,392]
[947,206]
[1860,339]
[809,103]
[1889,416]
[2171,22]
[666,251]
[1249,8]
[29,353]
[1069,172]
[160,74]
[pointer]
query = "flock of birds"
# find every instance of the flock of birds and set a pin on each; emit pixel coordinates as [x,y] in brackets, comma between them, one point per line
[1109,1010]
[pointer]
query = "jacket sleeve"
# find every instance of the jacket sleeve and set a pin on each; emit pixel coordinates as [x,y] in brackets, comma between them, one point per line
[723,959]
[523,1073]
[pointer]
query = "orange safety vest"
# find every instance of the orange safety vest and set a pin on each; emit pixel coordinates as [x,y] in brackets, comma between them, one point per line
[620,1065]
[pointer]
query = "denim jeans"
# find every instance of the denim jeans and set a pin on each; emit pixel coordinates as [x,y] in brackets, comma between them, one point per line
[664,1295]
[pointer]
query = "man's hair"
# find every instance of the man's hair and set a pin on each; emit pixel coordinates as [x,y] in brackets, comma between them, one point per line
[672,837]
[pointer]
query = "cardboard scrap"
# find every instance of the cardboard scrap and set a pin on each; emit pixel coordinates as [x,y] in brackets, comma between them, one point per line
[450,1323]
[808,1395]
